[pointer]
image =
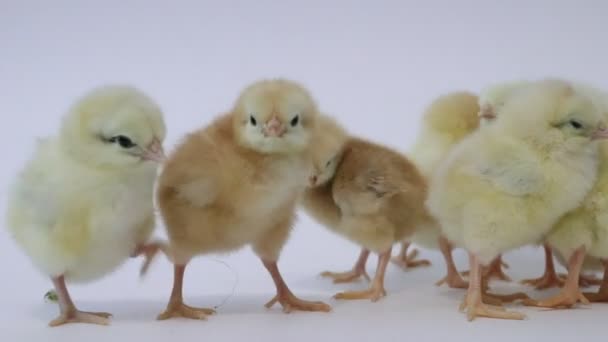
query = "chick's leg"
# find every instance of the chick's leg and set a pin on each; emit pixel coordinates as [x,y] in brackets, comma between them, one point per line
[176,306]
[284,295]
[357,272]
[602,294]
[149,251]
[570,294]
[405,260]
[473,302]
[68,311]
[495,270]
[453,278]
[549,278]
[376,291]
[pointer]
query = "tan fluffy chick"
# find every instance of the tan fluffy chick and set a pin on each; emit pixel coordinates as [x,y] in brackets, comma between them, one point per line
[370,195]
[446,121]
[236,183]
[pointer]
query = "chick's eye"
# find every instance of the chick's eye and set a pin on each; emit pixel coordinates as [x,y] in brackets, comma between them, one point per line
[123,141]
[252,120]
[575,124]
[328,163]
[295,120]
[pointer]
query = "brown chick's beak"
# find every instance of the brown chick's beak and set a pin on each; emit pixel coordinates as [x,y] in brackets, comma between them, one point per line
[600,133]
[154,152]
[312,180]
[273,128]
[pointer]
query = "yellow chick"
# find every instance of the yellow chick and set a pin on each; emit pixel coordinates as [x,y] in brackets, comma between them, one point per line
[537,161]
[446,121]
[370,195]
[492,99]
[84,202]
[236,183]
[583,231]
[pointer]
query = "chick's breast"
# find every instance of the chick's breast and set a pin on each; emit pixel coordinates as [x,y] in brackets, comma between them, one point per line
[76,220]
[216,196]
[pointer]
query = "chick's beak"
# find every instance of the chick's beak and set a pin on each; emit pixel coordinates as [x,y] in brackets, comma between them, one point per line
[486,112]
[154,152]
[273,128]
[312,180]
[600,133]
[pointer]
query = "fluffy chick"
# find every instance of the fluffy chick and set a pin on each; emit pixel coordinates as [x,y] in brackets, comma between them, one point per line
[84,202]
[446,121]
[236,183]
[584,231]
[491,100]
[370,195]
[536,162]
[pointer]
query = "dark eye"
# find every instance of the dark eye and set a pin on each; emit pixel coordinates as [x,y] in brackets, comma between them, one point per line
[575,124]
[123,141]
[295,120]
[252,120]
[328,163]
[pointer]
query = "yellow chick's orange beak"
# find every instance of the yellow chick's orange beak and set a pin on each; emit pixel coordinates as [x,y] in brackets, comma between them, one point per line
[154,152]
[273,128]
[600,133]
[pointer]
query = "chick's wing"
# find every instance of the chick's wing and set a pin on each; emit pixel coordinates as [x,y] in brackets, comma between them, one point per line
[512,169]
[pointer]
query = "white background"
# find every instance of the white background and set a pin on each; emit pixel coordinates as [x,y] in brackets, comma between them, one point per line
[373,64]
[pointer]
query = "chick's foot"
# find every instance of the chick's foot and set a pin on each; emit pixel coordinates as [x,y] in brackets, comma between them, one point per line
[75,316]
[357,272]
[179,309]
[550,278]
[602,294]
[570,294]
[346,277]
[453,280]
[290,303]
[585,280]
[374,294]
[284,296]
[407,260]
[546,281]
[473,302]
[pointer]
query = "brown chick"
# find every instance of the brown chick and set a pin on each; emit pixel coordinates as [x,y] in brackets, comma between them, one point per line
[236,183]
[371,195]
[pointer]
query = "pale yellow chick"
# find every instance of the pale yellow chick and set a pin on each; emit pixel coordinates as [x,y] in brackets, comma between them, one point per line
[83,203]
[370,195]
[537,161]
[492,99]
[581,237]
[236,183]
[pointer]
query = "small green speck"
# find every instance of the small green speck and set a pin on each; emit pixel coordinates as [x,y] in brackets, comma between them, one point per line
[51,296]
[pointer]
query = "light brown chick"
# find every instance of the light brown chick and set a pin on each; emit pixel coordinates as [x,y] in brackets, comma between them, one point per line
[236,183]
[372,196]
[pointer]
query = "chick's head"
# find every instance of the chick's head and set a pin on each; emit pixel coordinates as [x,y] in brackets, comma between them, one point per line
[326,149]
[274,116]
[493,98]
[554,113]
[454,114]
[114,126]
